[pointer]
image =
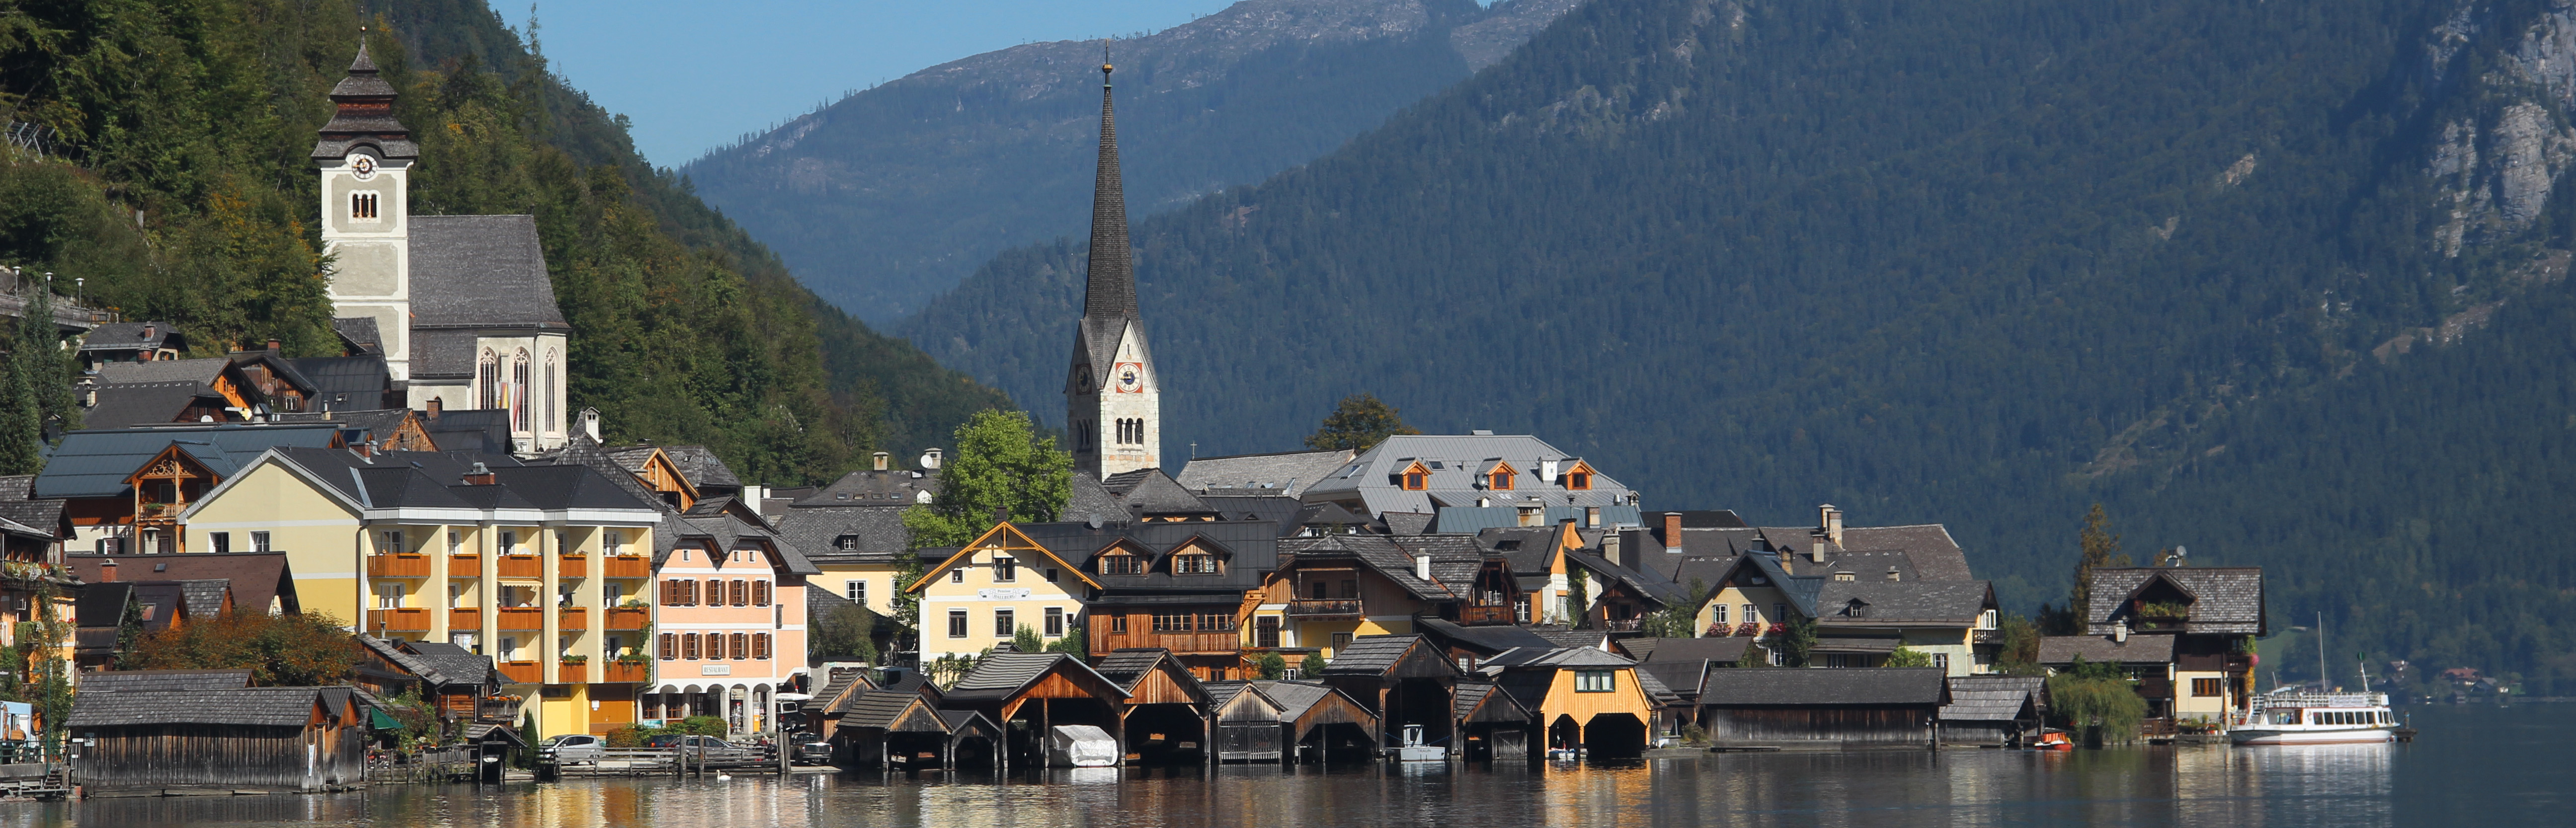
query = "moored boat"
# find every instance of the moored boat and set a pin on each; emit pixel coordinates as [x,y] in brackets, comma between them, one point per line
[2302,718]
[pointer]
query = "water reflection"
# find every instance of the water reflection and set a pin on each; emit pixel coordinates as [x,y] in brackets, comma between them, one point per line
[2274,787]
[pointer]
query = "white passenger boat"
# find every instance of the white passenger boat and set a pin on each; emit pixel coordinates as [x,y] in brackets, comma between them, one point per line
[2285,717]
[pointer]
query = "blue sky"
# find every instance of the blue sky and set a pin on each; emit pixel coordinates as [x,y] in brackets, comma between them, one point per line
[696,75]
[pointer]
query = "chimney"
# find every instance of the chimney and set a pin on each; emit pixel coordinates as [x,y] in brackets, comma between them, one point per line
[2120,633]
[1893,576]
[274,346]
[590,423]
[880,458]
[1547,471]
[107,571]
[1829,520]
[1422,567]
[1001,514]
[435,404]
[930,459]
[480,476]
[1672,531]
[1612,547]
[1591,517]
[1532,514]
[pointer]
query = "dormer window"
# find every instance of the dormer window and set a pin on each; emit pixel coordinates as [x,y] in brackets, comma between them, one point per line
[1845,576]
[1578,478]
[1416,478]
[1500,479]
[1856,609]
[846,543]
[1195,563]
[1121,564]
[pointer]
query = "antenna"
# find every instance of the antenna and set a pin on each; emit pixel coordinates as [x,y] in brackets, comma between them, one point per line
[2325,680]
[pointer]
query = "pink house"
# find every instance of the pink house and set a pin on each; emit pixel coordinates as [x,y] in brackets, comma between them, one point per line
[729,618]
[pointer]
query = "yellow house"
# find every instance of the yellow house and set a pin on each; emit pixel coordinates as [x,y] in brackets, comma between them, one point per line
[859,549]
[1331,589]
[1859,623]
[1583,697]
[540,567]
[991,588]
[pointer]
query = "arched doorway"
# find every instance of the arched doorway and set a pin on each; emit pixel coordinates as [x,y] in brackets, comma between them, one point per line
[1564,734]
[1614,736]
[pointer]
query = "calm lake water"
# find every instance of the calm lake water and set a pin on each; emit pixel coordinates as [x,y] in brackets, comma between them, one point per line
[2472,766]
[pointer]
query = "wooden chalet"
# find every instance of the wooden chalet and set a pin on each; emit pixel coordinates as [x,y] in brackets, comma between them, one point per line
[1993,710]
[1886,706]
[902,725]
[821,711]
[1492,724]
[1287,721]
[1027,694]
[176,732]
[1166,717]
[1404,680]
[459,685]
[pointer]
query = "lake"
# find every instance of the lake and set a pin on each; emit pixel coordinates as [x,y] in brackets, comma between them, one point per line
[2473,766]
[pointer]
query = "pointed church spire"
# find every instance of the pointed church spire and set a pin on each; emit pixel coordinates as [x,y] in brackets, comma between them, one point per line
[363,65]
[1110,290]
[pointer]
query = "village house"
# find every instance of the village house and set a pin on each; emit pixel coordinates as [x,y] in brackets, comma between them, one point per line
[1583,698]
[2186,634]
[459,686]
[1431,474]
[125,490]
[539,566]
[1837,708]
[983,593]
[853,533]
[1331,589]
[730,631]
[32,535]
[1865,604]
[130,342]
[1172,586]
[211,390]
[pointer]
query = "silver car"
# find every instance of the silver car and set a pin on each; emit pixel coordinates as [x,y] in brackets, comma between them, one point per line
[572,750]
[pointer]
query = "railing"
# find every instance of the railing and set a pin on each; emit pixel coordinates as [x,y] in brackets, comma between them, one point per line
[1199,642]
[1986,636]
[1485,614]
[626,671]
[463,618]
[398,565]
[467,565]
[522,618]
[1313,608]
[573,673]
[572,618]
[404,619]
[522,566]
[572,566]
[626,618]
[523,672]
[1621,624]
[160,511]
[628,566]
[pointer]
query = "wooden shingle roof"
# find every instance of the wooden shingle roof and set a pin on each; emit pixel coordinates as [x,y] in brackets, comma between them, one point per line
[1811,687]
[258,706]
[1992,698]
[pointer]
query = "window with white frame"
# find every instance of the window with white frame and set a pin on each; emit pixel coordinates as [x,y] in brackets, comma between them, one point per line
[856,591]
[259,542]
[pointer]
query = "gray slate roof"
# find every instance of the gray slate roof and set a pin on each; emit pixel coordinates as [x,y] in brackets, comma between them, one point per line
[95,463]
[1651,650]
[1294,697]
[37,515]
[171,681]
[1289,473]
[1372,654]
[876,531]
[1493,639]
[701,465]
[1377,552]
[1000,675]
[127,337]
[1460,458]
[346,384]
[2226,600]
[1891,602]
[868,487]
[1991,698]
[361,332]
[470,274]
[1804,687]
[2141,649]
[259,706]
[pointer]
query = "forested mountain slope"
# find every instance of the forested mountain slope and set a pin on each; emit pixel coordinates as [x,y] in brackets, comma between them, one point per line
[173,177]
[885,198]
[2281,282]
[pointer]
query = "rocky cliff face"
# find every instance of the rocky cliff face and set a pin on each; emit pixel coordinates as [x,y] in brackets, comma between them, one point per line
[2494,167]
[888,197]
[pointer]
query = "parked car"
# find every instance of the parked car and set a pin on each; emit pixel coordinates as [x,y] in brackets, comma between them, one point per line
[572,750]
[814,753]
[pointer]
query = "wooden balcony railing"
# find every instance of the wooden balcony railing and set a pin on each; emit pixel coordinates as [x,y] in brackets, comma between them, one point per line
[464,618]
[623,671]
[626,618]
[572,566]
[628,566]
[406,619]
[572,618]
[398,565]
[468,565]
[572,673]
[1179,642]
[523,672]
[1349,608]
[517,619]
[1485,614]
[160,511]
[522,566]
[1621,624]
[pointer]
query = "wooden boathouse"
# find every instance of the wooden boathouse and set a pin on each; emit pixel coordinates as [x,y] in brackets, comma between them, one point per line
[1868,707]
[179,734]
[1492,724]
[1993,710]
[1028,694]
[901,726]
[1404,679]
[1286,721]
[1166,715]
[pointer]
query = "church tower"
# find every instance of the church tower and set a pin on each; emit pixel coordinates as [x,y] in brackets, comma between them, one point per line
[365,156]
[1113,396]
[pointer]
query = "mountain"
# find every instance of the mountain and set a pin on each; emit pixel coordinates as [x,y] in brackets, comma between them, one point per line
[2282,283]
[162,157]
[886,198]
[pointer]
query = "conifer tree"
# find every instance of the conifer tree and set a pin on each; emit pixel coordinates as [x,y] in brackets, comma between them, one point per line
[2100,547]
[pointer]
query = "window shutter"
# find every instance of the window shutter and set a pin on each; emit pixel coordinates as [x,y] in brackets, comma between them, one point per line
[760,593]
[741,644]
[670,646]
[760,645]
[689,646]
[741,592]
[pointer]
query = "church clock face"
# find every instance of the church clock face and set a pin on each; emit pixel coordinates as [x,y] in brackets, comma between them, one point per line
[363,167]
[1130,377]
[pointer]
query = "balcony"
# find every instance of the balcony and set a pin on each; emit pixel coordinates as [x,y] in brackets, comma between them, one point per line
[1473,614]
[517,619]
[466,565]
[628,671]
[523,672]
[572,566]
[572,674]
[572,618]
[1324,609]
[159,511]
[626,619]
[522,566]
[628,566]
[1986,637]
[406,619]
[464,618]
[1621,624]
[398,566]
[1198,642]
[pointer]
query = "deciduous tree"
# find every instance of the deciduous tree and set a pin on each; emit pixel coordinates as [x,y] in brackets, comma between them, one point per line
[1001,465]
[1361,421]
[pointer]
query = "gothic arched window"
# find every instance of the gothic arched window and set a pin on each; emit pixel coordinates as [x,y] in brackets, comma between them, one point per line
[487,381]
[553,381]
[519,392]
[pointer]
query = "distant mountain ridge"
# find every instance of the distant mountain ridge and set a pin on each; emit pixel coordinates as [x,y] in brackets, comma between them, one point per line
[888,197]
[2281,283]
